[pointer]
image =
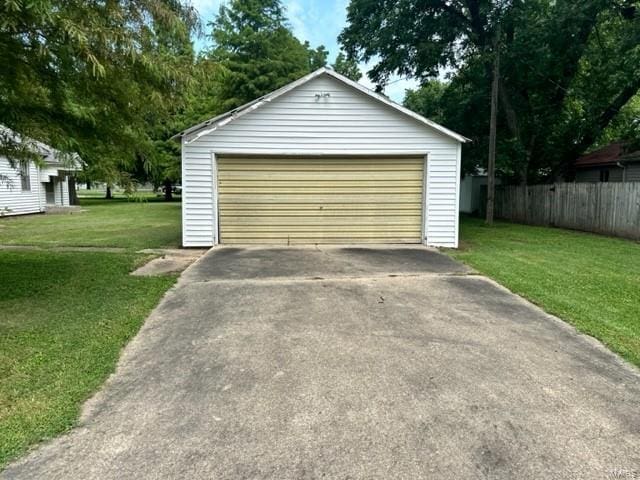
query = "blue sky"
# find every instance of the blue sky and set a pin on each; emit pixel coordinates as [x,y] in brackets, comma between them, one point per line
[320,22]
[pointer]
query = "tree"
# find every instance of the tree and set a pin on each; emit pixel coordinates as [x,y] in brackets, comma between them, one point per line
[348,67]
[317,56]
[428,100]
[257,51]
[92,76]
[567,67]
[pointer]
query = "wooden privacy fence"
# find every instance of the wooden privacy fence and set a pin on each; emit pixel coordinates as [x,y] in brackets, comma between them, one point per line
[608,208]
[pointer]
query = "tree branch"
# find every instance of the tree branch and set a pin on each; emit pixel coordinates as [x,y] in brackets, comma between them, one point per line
[607,115]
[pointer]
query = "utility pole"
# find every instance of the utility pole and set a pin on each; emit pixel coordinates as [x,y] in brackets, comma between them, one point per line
[491,168]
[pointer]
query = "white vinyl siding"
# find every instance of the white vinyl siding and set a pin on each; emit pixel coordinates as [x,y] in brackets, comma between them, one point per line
[347,122]
[197,196]
[13,199]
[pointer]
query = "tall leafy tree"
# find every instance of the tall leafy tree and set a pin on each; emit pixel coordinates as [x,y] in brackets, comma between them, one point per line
[258,52]
[568,68]
[92,77]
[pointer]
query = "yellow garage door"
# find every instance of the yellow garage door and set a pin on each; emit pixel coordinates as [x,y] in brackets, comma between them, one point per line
[287,201]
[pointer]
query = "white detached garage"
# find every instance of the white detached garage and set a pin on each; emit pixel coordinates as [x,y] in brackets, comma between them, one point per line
[322,160]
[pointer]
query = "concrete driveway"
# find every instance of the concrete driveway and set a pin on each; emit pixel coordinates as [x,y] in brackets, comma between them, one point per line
[351,363]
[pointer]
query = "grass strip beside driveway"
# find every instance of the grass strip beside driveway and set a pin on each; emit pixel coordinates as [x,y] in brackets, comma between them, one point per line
[591,281]
[66,317]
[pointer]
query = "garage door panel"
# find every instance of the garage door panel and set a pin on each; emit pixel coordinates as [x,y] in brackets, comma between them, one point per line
[326,164]
[333,231]
[325,184]
[228,200]
[319,208]
[319,190]
[326,223]
[320,176]
[329,238]
[323,241]
[277,169]
[230,216]
[320,200]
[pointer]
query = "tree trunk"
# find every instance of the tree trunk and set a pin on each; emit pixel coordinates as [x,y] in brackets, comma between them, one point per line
[108,195]
[491,169]
[168,195]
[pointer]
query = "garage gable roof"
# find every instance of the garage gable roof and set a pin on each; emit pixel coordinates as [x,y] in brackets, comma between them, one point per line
[219,121]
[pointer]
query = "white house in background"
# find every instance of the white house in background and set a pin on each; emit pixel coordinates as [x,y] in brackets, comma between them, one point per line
[32,188]
[321,160]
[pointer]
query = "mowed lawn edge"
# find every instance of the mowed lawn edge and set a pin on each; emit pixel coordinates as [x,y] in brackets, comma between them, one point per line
[134,225]
[66,316]
[590,281]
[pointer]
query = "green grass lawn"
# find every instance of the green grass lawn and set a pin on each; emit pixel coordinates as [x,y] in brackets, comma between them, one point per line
[65,316]
[591,281]
[103,223]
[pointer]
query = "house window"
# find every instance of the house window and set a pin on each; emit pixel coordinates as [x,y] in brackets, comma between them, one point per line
[604,175]
[25,177]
